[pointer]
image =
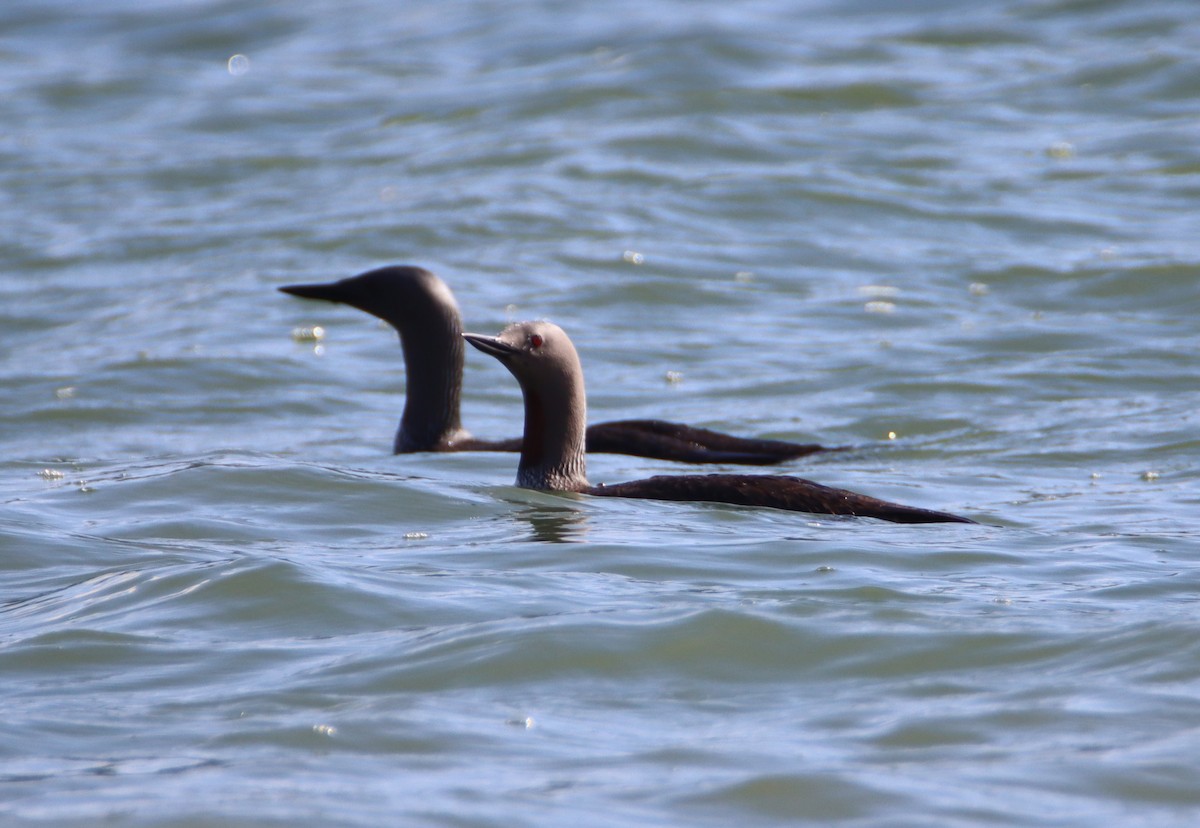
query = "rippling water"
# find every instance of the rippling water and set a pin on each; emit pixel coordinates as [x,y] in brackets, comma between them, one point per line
[961,239]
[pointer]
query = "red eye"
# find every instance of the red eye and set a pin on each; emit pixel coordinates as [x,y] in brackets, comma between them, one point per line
[536,340]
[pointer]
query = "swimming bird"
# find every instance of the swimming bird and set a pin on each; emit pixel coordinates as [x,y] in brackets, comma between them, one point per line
[545,363]
[422,309]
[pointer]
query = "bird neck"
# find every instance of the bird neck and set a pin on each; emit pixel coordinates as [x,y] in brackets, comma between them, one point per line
[433,359]
[552,451]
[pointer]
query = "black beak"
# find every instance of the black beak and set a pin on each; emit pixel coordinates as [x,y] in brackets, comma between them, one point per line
[330,292]
[491,345]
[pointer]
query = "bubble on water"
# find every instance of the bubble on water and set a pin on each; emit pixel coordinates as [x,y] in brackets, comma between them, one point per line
[674,377]
[1149,475]
[879,291]
[50,474]
[314,334]
[238,65]
[65,393]
[1061,150]
[324,730]
[978,289]
[633,257]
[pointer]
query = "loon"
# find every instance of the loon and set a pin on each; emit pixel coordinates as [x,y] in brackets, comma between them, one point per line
[422,309]
[545,363]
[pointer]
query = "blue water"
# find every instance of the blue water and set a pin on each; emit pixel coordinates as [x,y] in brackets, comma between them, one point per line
[961,239]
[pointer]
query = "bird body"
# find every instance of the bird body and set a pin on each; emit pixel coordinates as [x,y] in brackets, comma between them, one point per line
[546,365]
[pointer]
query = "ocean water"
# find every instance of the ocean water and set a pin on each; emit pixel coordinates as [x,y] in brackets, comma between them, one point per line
[963,239]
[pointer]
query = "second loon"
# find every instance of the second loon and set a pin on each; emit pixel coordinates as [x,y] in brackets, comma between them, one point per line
[545,363]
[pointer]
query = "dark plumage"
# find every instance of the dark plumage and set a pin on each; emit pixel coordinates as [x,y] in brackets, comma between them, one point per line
[422,309]
[772,490]
[544,361]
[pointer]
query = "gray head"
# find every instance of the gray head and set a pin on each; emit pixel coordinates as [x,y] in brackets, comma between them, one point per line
[422,309]
[540,355]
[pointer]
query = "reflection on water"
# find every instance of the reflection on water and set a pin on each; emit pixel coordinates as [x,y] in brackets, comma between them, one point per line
[555,524]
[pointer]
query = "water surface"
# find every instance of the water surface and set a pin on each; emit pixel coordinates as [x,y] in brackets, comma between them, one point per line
[961,240]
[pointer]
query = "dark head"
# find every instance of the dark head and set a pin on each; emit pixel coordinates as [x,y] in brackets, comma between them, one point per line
[544,361]
[422,309]
[399,295]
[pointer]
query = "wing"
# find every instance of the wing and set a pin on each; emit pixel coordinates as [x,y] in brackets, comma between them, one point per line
[662,440]
[772,491]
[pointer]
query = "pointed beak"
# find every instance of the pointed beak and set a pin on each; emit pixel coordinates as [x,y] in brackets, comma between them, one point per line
[330,292]
[491,345]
